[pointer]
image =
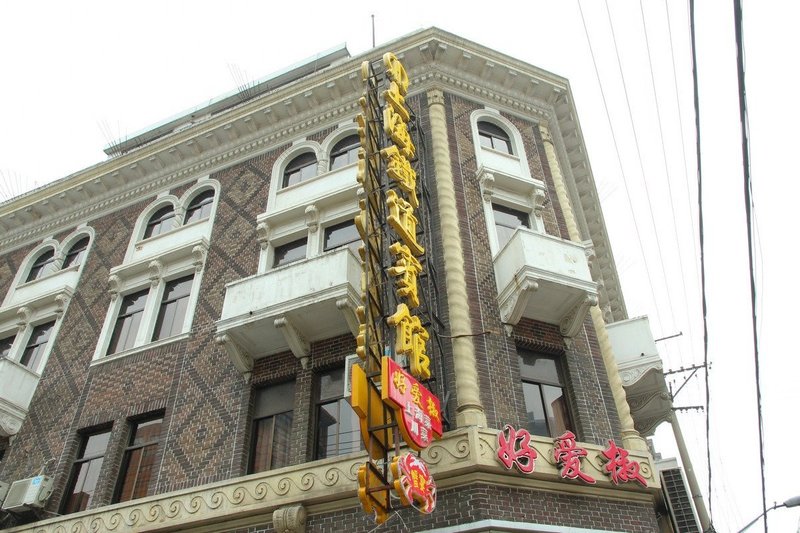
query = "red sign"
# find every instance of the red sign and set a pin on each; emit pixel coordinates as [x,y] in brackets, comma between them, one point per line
[417,408]
[514,449]
[413,482]
[619,467]
[567,453]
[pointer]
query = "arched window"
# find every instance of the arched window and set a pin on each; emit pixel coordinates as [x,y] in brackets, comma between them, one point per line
[345,152]
[200,206]
[40,265]
[160,222]
[494,137]
[76,254]
[301,168]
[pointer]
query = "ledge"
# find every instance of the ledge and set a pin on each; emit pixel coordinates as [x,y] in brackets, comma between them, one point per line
[464,456]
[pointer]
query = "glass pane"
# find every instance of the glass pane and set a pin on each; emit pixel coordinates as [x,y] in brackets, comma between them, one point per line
[557,413]
[281,438]
[76,253]
[39,266]
[340,235]
[539,368]
[127,326]
[349,429]
[200,207]
[288,253]
[96,444]
[262,444]
[5,346]
[331,384]
[172,312]
[160,222]
[535,415]
[130,467]
[327,429]
[37,344]
[301,168]
[146,432]
[85,475]
[274,399]
[345,152]
[501,145]
[486,140]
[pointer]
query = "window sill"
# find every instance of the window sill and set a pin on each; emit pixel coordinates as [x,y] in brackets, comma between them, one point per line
[138,349]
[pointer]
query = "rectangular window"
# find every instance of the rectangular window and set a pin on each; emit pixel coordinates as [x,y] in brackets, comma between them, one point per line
[37,344]
[128,320]
[85,472]
[344,234]
[506,220]
[545,401]
[338,430]
[272,427]
[174,303]
[5,345]
[290,252]
[138,464]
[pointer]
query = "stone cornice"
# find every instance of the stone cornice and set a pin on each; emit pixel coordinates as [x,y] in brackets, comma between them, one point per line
[434,58]
[465,456]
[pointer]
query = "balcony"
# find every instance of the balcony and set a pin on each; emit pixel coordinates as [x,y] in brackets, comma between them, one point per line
[289,307]
[17,385]
[544,278]
[642,373]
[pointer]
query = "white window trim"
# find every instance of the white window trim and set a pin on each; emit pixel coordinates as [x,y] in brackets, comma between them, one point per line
[522,193]
[127,279]
[179,205]
[310,217]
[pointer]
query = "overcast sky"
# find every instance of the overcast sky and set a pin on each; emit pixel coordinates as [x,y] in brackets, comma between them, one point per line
[77,75]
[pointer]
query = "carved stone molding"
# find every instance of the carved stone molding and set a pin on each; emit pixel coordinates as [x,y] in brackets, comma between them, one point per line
[114,285]
[155,271]
[573,321]
[9,425]
[464,455]
[312,218]
[62,301]
[239,357]
[297,343]
[23,317]
[539,198]
[263,232]
[487,186]
[289,519]
[199,253]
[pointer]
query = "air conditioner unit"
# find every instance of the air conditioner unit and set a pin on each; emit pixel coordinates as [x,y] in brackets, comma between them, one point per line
[28,493]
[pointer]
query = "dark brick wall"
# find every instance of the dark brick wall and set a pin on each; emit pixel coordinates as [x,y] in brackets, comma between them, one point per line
[472,503]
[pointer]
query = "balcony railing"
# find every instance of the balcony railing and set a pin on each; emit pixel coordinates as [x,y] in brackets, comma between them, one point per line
[289,307]
[544,278]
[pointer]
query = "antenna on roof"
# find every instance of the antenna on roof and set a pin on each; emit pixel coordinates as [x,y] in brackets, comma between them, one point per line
[244,86]
[113,143]
[373,30]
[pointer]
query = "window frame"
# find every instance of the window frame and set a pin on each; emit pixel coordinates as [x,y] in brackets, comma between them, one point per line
[339,225]
[160,222]
[340,149]
[292,168]
[270,414]
[540,382]
[512,211]
[39,268]
[40,349]
[81,459]
[117,324]
[204,200]
[499,135]
[128,453]
[341,402]
[166,301]
[280,262]
[79,255]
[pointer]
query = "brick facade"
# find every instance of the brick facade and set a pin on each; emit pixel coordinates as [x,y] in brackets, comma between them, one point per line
[207,404]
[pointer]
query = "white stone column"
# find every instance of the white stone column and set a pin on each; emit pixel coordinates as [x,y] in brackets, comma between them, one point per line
[469,411]
[630,437]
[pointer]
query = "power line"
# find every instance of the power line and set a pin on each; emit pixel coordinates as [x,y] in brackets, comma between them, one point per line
[710,526]
[619,161]
[737,17]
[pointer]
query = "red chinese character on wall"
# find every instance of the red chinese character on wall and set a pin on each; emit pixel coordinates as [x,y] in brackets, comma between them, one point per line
[514,448]
[567,453]
[620,467]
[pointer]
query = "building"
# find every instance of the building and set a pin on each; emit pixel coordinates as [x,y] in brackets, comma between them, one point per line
[176,320]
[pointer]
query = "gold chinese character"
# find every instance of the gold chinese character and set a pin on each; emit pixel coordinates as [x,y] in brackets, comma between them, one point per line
[397,130]
[406,269]
[396,72]
[420,362]
[416,394]
[401,218]
[399,169]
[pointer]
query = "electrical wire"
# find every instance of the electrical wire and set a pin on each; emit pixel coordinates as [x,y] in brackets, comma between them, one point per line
[641,169]
[702,254]
[748,207]
[619,161]
[667,173]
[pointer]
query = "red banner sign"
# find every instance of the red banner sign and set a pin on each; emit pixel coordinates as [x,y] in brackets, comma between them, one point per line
[413,482]
[417,408]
